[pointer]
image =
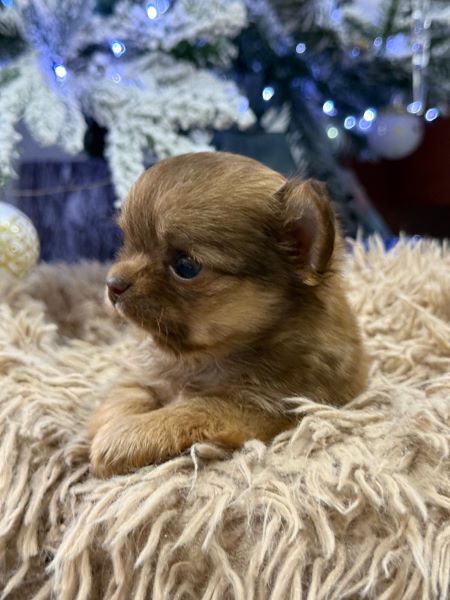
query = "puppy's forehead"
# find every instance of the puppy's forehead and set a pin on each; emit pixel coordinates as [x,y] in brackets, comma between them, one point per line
[203,196]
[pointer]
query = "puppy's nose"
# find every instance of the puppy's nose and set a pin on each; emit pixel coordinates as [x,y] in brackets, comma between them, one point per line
[116,287]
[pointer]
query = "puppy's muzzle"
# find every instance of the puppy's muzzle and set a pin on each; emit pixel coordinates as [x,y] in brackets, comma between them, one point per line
[116,287]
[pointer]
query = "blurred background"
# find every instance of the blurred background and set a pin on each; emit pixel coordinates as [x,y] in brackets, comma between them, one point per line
[352,92]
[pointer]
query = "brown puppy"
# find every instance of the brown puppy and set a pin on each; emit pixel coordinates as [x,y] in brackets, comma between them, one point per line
[233,271]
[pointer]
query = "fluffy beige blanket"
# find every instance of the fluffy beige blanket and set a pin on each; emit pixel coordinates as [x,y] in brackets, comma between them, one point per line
[353,503]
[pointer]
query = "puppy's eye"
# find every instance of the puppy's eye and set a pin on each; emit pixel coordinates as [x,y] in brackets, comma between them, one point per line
[186,267]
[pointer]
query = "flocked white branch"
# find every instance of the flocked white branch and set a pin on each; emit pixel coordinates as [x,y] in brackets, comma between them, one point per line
[359,22]
[149,101]
[187,21]
[158,111]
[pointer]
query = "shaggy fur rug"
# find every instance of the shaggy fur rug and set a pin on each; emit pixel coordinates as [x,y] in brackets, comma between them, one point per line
[353,503]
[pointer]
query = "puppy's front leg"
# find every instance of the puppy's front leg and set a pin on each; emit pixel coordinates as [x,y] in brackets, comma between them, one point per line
[123,445]
[126,398]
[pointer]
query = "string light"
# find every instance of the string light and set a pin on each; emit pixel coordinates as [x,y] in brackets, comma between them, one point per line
[414,107]
[378,42]
[118,48]
[370,115]
[355,52]
[398,45]
[268,93]
[349,122]
[60,71]
[116,78]
[332,132]
[432,114]
[156,8]
[300,48]
[152,11]
[364,125]
[329,108]
[336,15]
[163,6]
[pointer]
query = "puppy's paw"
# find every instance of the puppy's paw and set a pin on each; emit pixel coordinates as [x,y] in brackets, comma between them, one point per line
[124,400]
[128,443]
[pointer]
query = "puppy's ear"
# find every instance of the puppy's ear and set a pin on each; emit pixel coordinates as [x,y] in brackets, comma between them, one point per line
[308,227]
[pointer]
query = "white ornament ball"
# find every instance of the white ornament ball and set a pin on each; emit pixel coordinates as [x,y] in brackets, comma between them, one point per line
[395,135]
[19,242]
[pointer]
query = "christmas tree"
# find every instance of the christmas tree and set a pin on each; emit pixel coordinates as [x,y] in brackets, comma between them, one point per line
[349,77]
[335,76]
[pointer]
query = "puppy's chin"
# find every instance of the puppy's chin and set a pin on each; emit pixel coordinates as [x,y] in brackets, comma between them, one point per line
[170,337]
[163,336]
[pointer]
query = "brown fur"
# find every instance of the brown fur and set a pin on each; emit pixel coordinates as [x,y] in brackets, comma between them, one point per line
[265,319]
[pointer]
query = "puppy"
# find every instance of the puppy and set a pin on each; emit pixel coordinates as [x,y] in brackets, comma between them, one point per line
[233,272]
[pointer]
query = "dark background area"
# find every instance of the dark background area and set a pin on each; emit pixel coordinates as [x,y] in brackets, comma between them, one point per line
[413,194]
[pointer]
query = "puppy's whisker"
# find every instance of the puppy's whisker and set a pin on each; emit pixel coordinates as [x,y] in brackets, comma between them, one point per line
[166,328]
[161,321]
[158,323]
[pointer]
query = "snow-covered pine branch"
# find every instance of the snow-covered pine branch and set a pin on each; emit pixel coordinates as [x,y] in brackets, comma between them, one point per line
[157,112]
[187,21]
[149,100]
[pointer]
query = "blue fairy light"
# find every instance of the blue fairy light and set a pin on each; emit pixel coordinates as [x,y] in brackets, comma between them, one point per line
[432,114]
[329,108]
[60,71]
[332,132]
[414,107]
[300,48]
[378,42]
[7,3]
[349,122]
[118,48]
[364,125]
[268,93]
[336,15]
[398,45]
[355,52]
[163,6]
[152,11]
[116,77]
[370,115]
[155,8]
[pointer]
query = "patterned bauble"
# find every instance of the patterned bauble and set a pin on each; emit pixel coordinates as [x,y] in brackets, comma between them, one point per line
[395,135]
[19,243]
